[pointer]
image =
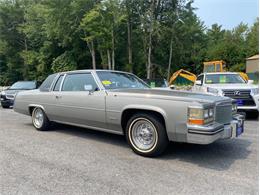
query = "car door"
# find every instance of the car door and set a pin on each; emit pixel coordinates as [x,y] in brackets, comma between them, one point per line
[80,101]
[53,104]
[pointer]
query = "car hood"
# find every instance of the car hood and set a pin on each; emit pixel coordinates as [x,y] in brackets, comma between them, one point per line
[232,86]
[13,91]
[169,95]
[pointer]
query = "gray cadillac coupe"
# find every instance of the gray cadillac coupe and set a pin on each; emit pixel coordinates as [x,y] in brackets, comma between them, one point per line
[121,103]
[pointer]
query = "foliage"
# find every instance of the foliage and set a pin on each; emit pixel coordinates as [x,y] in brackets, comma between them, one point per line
[149,38]
[64,62]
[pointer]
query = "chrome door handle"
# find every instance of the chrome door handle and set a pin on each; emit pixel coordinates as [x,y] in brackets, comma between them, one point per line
[58,96]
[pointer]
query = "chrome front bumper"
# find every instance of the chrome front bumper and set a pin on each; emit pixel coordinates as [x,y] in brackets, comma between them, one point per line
[235,128]
[216,131]
[254,107]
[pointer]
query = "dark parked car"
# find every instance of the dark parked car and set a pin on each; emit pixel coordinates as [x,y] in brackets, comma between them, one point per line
[8,95]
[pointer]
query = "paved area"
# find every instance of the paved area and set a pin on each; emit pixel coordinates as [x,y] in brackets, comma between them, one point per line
[69,160]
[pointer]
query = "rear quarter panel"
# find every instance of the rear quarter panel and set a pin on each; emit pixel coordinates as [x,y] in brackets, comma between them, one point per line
[26,99]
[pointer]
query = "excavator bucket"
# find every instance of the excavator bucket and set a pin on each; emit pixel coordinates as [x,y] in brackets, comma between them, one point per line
[244,76]
[184,74]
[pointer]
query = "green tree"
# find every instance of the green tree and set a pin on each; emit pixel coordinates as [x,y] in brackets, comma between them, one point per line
[12,40]
[252,39]
[149,38]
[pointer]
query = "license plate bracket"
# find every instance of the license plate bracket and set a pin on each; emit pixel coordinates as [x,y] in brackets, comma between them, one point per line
[240,102]
[239,130]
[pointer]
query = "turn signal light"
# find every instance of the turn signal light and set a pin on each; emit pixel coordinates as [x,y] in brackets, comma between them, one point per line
[196,121]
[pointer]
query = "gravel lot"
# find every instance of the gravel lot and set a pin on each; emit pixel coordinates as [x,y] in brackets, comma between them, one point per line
[70,160]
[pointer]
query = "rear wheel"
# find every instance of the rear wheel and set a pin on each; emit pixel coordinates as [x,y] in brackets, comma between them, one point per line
[40,120]
[146,135]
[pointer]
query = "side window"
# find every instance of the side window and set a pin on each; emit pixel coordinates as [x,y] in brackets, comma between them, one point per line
[209,68]
[218,68]
[79,82]
[58,83]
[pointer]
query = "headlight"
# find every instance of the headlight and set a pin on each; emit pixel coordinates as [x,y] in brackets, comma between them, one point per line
[234,108]
[199,116]
[206,113]
[212,90]
[255,91]
[195,113]
[211,112]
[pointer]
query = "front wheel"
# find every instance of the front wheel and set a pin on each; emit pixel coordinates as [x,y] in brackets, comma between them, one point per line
[40,120]
[146,135]
[5,106]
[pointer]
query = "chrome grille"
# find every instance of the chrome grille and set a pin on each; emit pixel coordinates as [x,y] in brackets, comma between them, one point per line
[223,113]
[240,95]
[237,94]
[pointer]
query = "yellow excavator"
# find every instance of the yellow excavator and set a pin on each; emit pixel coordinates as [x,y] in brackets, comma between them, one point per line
[219,66]
[211,66]
[183,73]
[214,66]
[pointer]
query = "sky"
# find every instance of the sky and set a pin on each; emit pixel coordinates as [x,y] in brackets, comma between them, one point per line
[228,13]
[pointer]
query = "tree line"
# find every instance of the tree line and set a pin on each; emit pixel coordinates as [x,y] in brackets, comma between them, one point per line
[151,38]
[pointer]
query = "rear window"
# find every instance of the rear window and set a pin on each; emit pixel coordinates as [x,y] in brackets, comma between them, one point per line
[46,85]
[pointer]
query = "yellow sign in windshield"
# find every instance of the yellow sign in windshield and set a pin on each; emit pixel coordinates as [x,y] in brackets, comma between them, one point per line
[106,82]
[209,81]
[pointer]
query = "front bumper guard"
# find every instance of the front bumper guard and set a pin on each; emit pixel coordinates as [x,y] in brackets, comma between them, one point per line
[213,132]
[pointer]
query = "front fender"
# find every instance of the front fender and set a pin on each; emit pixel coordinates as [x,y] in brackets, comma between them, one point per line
[146,107]
[256,99]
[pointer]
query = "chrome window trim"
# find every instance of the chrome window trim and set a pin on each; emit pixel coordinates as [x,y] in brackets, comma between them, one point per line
[61,84]
[56,80]
[98,81]
[53,82]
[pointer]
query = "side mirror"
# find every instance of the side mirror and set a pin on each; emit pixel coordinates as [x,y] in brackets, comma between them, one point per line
[250,82]
[88,87]
[198,82]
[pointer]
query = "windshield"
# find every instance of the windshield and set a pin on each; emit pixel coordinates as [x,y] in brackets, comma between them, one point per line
[156,82]
[23,85]
[223,79]
[119,80]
